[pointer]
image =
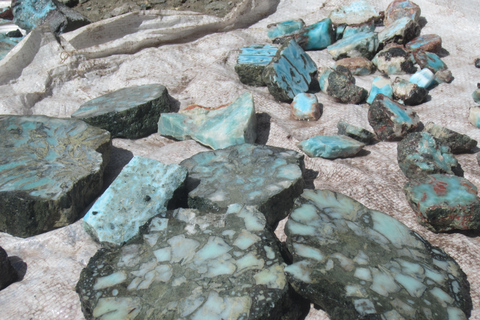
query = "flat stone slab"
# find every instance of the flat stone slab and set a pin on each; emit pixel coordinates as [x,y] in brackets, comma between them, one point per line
[362,44]
[187,266]
[130,113]
[251,63]
[267,177]
[444,202]
[316,36]
[357,263]
[50,170]
[331,147]
[354,132]
[141,190]
[457,142]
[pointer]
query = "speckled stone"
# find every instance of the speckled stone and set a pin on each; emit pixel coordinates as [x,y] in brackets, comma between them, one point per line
[358,66]
[141,190]
[358,263]
[331,147]
[50,171]
[380,85]
[426,42]
[305,106]
[474,116]
[131,112]
[354,132]
[284,28]
[409,93]
[399,9]
[423,78]
[394,60]
[357,12]
[7,43]
[8,274]
[400,31]
[251,63]
[193,267]
[340,84]
[429,60]
[267,177]
[391,120]
[362,44]
[316,36]
[457,142]
[444,202]
[419,154]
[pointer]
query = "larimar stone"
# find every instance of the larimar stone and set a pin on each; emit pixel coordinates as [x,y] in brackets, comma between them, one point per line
[7,43]
[356,13]
[423,78]
[444,202]
[340,84]
[380,85]
[316,36]
[353,29]
[429,60]
[476,94]
[291,72]
[8,274]
[131,112]
[362,44]
[358,65]
[284,28]
[418,154]
[50,171]
[331,147]
[400,31]
[191,266]
[457,142]
[354,132]
[474,116]
[305,106]
[251,63]
[216,128]
[266,177]
[358,263]
[409,93]
[399,9]
[391,120]
[426,42]
[138,193]
[394,60]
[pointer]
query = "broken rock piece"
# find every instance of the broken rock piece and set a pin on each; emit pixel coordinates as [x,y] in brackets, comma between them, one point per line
[8,274]
[426,42]
[305,106]
[399,9]
[355,132]
[394,60]
[331,147]
[457,142]
[380,85]
[251,63]
[409,93]
[340,84]
[362,44]
[358,66]
[284,28]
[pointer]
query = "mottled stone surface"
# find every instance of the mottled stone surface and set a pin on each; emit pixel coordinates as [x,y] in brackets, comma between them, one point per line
[410,93]
[419,154]
[50,170]
[391,120]
[7,43]
[444,76]
[217,128]
[267,177]
[139,192]
[399,9]
[305,106]
[187,266]
[444,202]
[457,142]
[353,29]
[358,66]
[357,133]
[8,274]
[474,116]
[251,63]
[131,112]
[284,28]
[362,44]
[340,84]
[400,31]
[429,60]
[394,60]
[357,12]
[380,85]
[357,263]
[331,147]
[291,72]
[423,78]
[426,42]
[476,94]
[316,36]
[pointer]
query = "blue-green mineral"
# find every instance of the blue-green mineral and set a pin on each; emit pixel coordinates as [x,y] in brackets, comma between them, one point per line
[356,13]
[380,85]
[305,106]
[362,44]
[400,31]
[423,78]
[251,63]
[316,36]
[426,42]
[409,93]
[331,147]
[476,94]
[398,9]
[429,60]
[7,43]
[284,28]
[395,60]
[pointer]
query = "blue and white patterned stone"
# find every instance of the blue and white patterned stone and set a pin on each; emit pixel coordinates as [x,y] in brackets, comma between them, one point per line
[216,128]
[399,9]
[353,29]
[409,93]
[380,85]
[354,132]
[426,42]
[316,36]
[457,142]
[356,13]
[305,106]
[362,44]
[284,28]
[423,78]
[331,147]
[394,60]
[138,193]
[400,31]
[251,63]
[429,60]
[358,263]
[474,116]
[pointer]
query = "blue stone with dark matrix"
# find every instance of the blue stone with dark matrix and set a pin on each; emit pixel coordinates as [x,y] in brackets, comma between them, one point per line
[380,85]
[331,147]
[362,44]
[251,63]
[316,36]
[284,28]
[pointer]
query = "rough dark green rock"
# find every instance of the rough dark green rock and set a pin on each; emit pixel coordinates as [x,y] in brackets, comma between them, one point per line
[355,132]
[394,60]
[457,142]
[50,170]
[251,63]
[340,84]
[192,266]
[269,178]
[358,263]
[8,274]
[131,112]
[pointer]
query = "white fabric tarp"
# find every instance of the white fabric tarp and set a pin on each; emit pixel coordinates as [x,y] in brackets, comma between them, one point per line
[194,56]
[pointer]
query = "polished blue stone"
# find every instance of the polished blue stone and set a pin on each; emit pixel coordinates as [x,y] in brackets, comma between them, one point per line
[362,44]
[423,78]
[316,36]
[331,147]
[305,106]
[284,28]
[380,85]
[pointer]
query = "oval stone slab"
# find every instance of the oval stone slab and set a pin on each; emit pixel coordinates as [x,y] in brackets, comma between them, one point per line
[267,177]
[50,170]
[130,113]
[358,263]
[214,266]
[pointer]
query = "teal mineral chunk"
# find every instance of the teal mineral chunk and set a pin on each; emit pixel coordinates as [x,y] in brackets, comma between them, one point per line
[358,65]
[391,120]
[339,31]
[423,78]
[331,147]
[394,60]
[356,13]
[353,29]
[131,112]
[474,116]
[362,44]
[355,132]
[251,63]
[380,85]
[358,263]
[340,84]
[323,79]
[50,171]
[418,154]
[409,93]
[291,72]
[7,43]
[316,36]
[476,94]
[305,106]
[400,31]
[284,28]
[189,266]
[216,128]
[444,202]
[457,142]
[8,274]
[266,177]
[427,42]
[399,9]
[140,191]
[429,60]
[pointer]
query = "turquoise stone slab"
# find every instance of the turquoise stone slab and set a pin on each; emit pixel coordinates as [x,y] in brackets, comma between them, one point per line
[331,147]
[354,132]
[356,13]
[409,93]
[394,60]
[423,78]
[457,142]
[362,44]
[474,116]
[217,128]
[50,171]
[399,9]
[359,263]
[444,202]
[141,190]
[353,29]
[291,72]
[400,31]
[8,274]
[251,63]
[305,106]
[316,36]
[131,112]
[429,60]
[426,42]
[380,85]
[284,28]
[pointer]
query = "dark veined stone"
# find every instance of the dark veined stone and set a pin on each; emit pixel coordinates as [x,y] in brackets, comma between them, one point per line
[410,93]
[331,147]
[457,142]
[399,9]
[8,274]
[251,63]
[339,83]
[355,132]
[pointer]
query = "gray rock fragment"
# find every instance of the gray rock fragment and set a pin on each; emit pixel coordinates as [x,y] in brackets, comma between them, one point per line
[355,132]
[457,142]
[8,274]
